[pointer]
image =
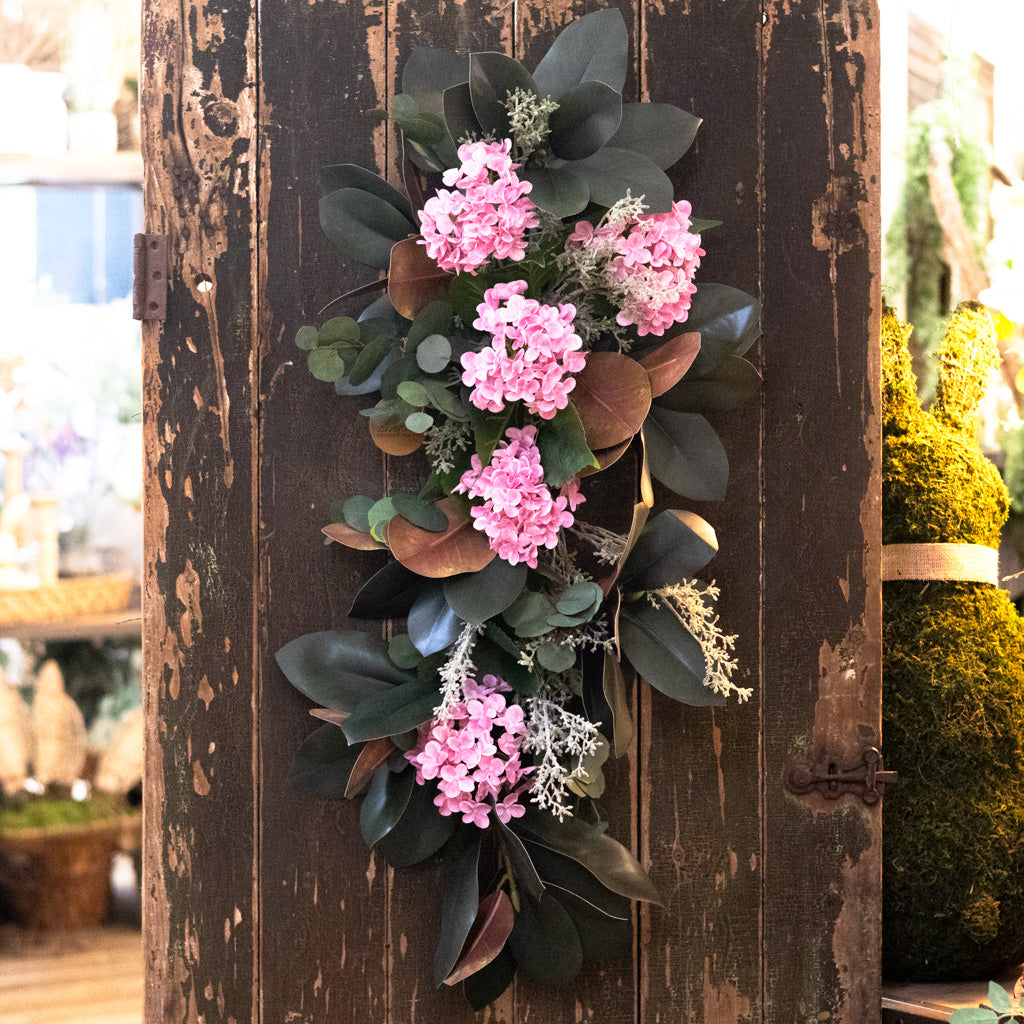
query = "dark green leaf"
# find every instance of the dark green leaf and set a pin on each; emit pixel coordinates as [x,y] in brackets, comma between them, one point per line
[569,874]
[459,115]
[601,937]
[325,364]
[445,401]
[434,353]
[492,76]
[592,48]
[461,903]
[384,803]
[338,176]
[614,691]
[306,338]
[699,225]
[491,658]
[466,293]
[388,594]
[323,763]
[611,173]
[433,318]
[403,106]
[527,879]
[685,454]
[658,131]
[401,370]
[588,844]
[662,650]
[579,598]
[339,668]
[420,832]
[428,72]
[355,512]
[563,447]
[528,615]
[482,988]
[728,321]
[391,711]
[723,387]
[587,117]
[673,546]
[362,225]
[432,624]
[488,427]
[421,513]
[558,190]
[544,941]
[343,386]
[403,653]
[425,129]
[478,596]
[370,358]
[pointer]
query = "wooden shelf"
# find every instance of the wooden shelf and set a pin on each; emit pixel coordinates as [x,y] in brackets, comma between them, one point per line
[918,1003]
[72,169]
[109,625]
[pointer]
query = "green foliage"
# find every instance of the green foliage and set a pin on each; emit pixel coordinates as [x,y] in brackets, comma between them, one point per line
[30,812]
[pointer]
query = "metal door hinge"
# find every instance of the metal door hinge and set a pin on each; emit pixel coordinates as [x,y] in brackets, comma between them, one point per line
[831,778]
[149,292]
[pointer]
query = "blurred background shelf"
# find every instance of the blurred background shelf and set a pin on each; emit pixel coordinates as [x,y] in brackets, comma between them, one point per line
[126,624]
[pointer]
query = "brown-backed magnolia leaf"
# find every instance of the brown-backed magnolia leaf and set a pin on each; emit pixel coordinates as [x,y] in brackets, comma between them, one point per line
[460,548]
[612,396]
[344,534]
[640,513]
[487,939]
[646,483]
[414,279]
[370,758]
[393,437]
[668,363]
[623,729]
[329,715]
[607,457]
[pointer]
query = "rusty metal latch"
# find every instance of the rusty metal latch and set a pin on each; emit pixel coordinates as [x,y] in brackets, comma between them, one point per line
[831,779]
[149,291]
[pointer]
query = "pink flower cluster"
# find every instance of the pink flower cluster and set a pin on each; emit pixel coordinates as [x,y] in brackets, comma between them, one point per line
[474,755]
[532,355]
[654,263]
[486,218]
[519,514]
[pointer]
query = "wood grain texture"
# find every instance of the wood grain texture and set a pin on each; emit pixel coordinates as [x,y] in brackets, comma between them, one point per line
[199,72]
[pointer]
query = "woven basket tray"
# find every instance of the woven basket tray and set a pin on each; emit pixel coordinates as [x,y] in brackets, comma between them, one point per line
[88,595]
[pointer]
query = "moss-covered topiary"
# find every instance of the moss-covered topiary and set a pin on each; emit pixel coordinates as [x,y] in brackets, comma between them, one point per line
[953,701]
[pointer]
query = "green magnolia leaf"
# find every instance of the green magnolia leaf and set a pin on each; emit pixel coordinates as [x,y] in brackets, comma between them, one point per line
[403,653]
[434,318]
[663,651]
[544,941]
[493,656]
[728,321]
[420,513]
[337,176]
[325,364]
[587,117]
[323,763]
[674,545]
[487,984]
[307,338]
[459,115]
[611,173]
[478,596]
[461,903]
[685,454]
[560,191]
[432,624]
[555,657]
[420,832]
[601,937]
[698,225]
[355,512]
[570,875]
[488,427]
[614,691]
[391,711]
[363,226]
[658,131]
[384,803]
[429,72]
[388,594]
[467,292]
[380,513]
[563,447]
[609,861]
[528,615]
[492,76]
[592,48]
[528,880]
[339,668]
[424,129]
[723,387]
[434,353]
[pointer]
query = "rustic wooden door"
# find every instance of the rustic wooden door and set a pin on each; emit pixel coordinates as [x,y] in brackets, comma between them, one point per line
[261,903]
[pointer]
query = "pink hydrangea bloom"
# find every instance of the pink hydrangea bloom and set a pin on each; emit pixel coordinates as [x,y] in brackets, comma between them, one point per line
[462,754]
[532,356]
[519,515]
[487,215]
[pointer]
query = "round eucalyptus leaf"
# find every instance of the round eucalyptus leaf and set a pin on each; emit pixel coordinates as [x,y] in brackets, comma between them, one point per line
[433,353]
[306,338]
[419,422]
[413,392]
[325,364]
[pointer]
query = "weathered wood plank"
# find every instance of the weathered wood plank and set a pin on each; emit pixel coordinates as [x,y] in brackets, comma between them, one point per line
[199,144]
[700,805]
[324,896]
[821,466]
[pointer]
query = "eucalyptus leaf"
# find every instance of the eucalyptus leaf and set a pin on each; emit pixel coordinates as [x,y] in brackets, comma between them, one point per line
[391,712]
[432,625]
[343,386]
[685,454]
[355,512]
[673,546]
[434,318]
[370,358]
[588,115]
[528,615]
[420,832]
[379,514]
[579,598]
[461,903]
[413,392]
[724,386]
[434,353]
[323,763]
[325,364]
[559,190]
[388,594]
[478,596]
[339,329]
[592,48]
[555,657]
[403,653]
[445,401]
[384,803]
[424,514]
[338,176]
[658,131]
[492,76]
[664,652]
[611,173]
[1000,999]
[362,225]
[307,337]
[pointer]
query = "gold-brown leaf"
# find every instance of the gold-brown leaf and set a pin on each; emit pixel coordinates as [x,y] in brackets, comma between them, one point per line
[414,279]
[459,548]
[487,937]
[393,437]
[370,758]
[345,534]
[612,396]
[668,363]
[607,457]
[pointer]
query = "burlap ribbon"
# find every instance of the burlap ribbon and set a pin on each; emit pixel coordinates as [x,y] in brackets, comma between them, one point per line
[963,563]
